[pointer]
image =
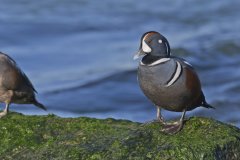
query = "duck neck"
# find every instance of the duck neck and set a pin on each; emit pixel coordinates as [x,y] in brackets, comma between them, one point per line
[149,59]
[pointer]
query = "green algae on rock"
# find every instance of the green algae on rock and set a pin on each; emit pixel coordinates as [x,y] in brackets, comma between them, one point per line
[52,137]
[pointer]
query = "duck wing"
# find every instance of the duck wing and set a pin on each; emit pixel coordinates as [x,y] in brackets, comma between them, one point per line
[11,76]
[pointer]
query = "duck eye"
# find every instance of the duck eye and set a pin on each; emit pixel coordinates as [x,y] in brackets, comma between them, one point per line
[159,41]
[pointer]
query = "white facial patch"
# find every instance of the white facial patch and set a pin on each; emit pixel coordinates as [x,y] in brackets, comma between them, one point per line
[159,41]
[145,47]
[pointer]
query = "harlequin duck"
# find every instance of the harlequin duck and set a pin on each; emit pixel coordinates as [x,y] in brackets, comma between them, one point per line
[15,87]
[169,82]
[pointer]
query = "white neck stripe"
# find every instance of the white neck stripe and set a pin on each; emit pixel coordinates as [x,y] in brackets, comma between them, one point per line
[166,47]
[162,60]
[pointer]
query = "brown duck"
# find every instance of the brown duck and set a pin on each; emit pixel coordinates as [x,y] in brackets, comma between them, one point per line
[15,87]
[169,82]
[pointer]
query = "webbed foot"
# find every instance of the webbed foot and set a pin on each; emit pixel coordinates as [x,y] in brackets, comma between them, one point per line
[172,128]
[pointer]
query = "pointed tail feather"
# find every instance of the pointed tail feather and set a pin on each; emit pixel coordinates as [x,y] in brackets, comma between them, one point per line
[40,105]
[206,105]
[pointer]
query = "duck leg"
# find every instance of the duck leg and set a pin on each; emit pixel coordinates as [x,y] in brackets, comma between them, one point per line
[159,118]
[159,115]
[5,111]
[175,127]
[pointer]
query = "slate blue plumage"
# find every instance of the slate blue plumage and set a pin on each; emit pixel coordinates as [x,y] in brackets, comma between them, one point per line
[169,82]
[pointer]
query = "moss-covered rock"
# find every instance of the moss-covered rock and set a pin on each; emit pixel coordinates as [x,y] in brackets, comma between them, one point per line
[52,137]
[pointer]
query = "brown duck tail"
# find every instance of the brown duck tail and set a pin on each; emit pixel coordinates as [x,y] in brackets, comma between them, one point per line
[206,105]
[36,103]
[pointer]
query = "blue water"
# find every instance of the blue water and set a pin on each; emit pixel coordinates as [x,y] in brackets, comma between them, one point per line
[78,54]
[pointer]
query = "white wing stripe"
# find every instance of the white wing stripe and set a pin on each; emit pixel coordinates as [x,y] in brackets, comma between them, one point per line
[187,63]
[176,75]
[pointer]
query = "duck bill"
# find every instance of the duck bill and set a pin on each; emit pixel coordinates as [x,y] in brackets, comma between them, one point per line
[139,54]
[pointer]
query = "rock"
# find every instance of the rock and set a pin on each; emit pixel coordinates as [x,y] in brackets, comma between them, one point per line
[52,137]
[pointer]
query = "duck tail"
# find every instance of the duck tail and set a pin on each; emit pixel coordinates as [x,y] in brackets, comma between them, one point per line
[206,105]
[39,105]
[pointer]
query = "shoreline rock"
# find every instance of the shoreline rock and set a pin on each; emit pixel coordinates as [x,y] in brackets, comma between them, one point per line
[52,137]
